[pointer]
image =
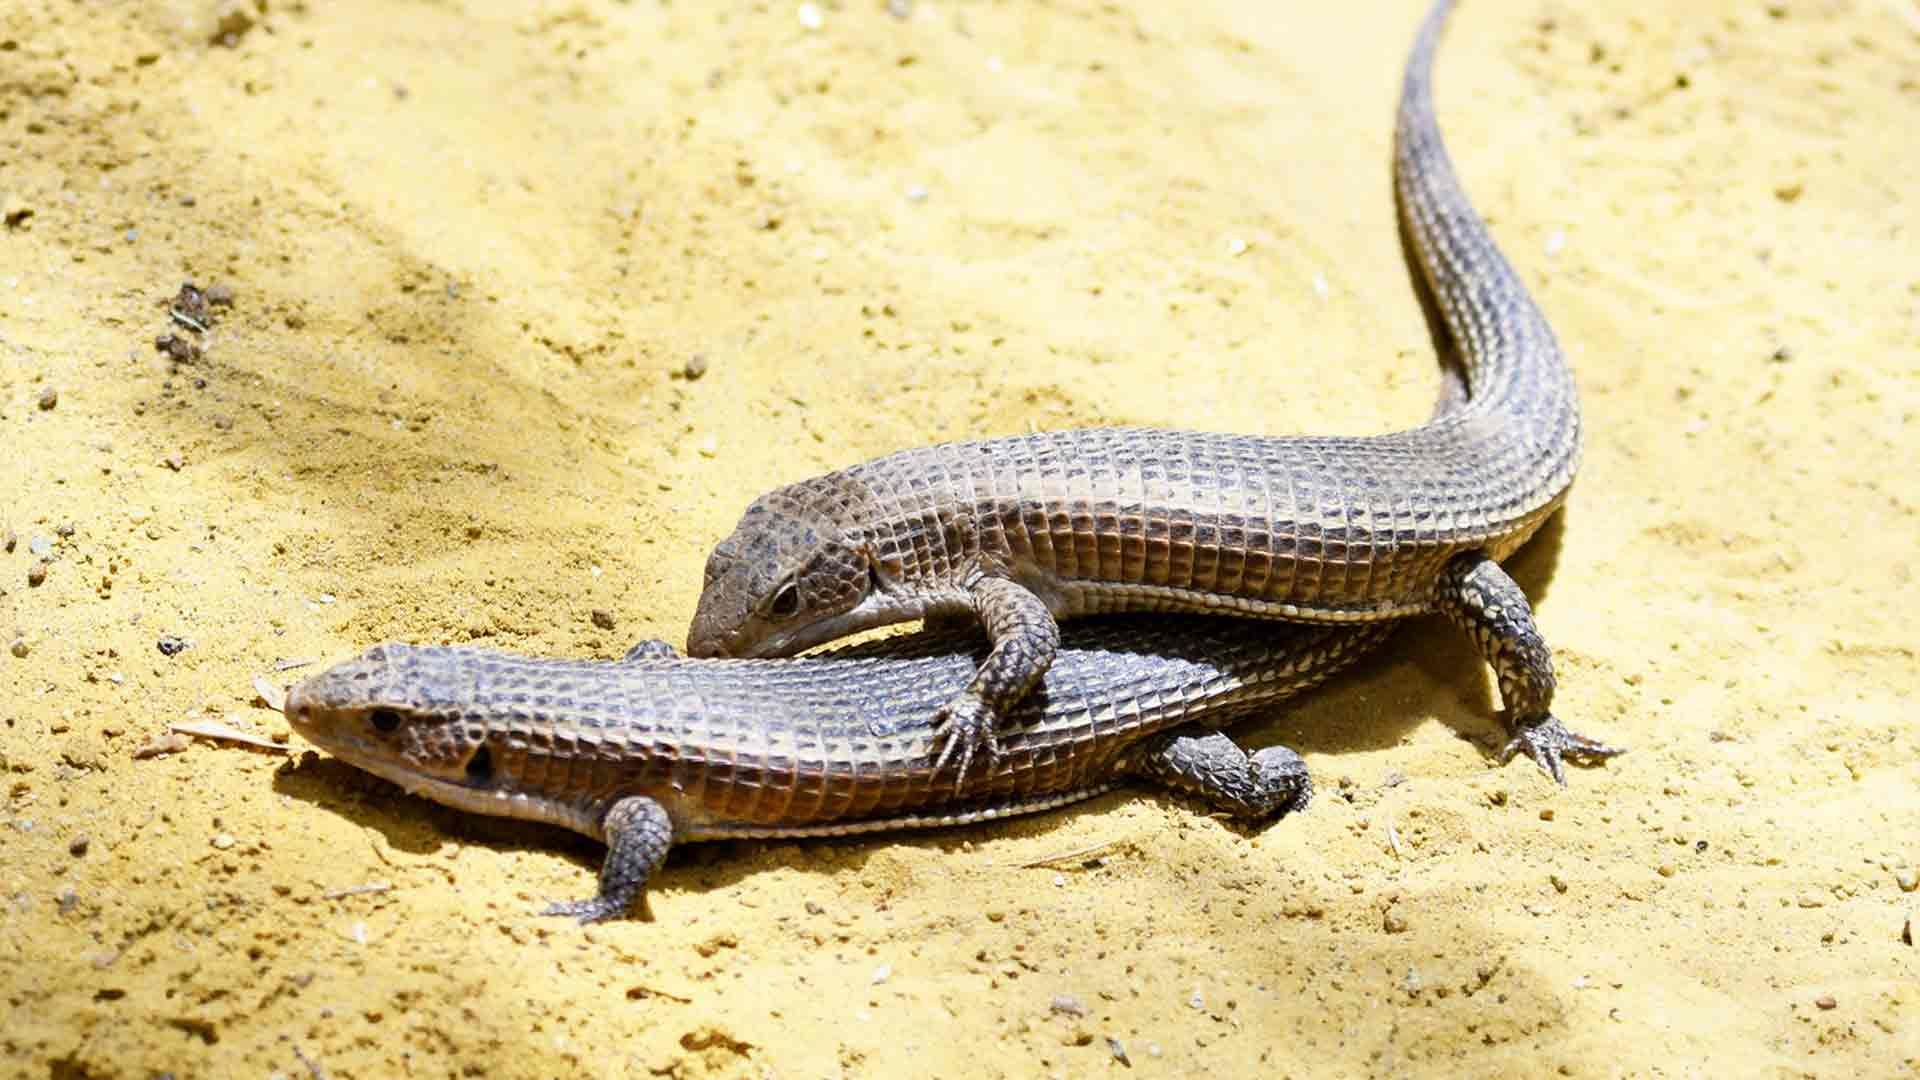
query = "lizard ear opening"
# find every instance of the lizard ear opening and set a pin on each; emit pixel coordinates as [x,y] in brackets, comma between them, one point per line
[480,766]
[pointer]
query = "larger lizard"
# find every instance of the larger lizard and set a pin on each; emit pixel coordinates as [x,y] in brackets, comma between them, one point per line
[1020,532]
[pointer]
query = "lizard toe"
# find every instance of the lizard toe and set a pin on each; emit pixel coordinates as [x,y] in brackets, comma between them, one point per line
[964,729]
[1548,743]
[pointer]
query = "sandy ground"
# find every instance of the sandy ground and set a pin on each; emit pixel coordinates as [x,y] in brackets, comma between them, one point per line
[474,249]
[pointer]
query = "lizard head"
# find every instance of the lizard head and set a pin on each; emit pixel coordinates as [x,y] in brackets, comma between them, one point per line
[390,711]
[790,577]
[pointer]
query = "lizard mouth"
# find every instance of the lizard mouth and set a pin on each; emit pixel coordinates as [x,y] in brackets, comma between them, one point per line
[872,612]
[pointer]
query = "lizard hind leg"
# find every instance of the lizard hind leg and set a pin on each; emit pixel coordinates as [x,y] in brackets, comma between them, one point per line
[1217,771]
[638,835]
[1477,595]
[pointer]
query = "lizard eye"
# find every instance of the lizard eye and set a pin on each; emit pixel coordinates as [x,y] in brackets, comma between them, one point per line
[786,602]
[385,721]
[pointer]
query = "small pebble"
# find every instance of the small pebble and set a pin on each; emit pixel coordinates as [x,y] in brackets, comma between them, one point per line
[170,645]
[220,294]
[811,16]
[1119,1051]
[21,648]
[1067,1005]
[49,398]
[79,845]
[12,541]
[1394,922]
[223,841]
[174,461]
[900,9]
[37,573]
[695,366]
[1826,1001]
[814,909]
[40,546]
[171,743]
[1907,879]
[176,348]
[602,619]
[881,974]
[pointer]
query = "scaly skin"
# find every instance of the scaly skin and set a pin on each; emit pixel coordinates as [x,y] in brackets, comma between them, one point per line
[1021,532]
[655,749]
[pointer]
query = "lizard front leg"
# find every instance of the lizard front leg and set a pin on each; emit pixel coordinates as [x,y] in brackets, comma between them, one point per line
[1025,639]
[638,834]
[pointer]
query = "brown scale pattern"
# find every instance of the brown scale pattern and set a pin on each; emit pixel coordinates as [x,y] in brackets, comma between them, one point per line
[840,742]
[1302,528]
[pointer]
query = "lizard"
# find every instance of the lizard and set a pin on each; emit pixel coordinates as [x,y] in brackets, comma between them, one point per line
[656,749]
[1017,533]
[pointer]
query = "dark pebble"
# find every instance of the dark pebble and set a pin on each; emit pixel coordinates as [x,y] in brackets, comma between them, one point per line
[220,294]
[192,302]
[79,845]
[1826,1001]
[13,540]
[603,619]
[696,366]
[171,645]
[176,348]
[37,573]
[49,398]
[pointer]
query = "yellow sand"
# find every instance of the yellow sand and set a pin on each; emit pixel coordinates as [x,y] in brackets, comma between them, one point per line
[472,245]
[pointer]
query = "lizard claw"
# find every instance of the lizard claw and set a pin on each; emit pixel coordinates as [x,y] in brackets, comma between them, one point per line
[1547,741]
[962,728]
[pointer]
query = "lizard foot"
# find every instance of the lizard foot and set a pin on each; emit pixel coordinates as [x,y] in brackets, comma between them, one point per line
[1281,780]
[597,909]
[963,728]
[1546,740]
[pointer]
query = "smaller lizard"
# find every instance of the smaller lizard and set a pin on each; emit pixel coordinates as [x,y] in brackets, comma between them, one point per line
[655,749]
